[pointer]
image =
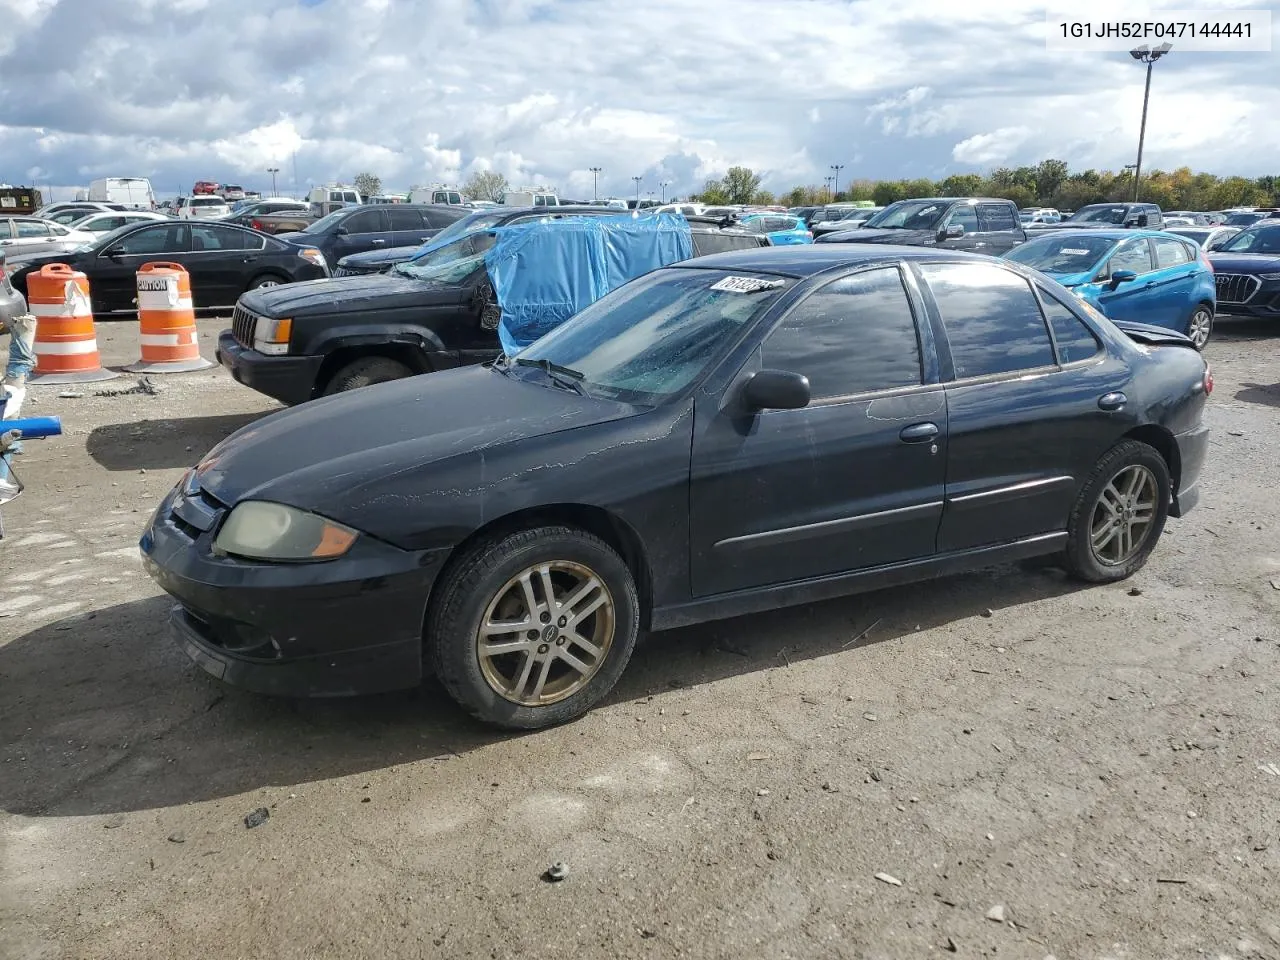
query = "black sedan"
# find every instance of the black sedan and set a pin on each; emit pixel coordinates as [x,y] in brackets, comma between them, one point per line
[719,437]
[1246,270]
[223,260]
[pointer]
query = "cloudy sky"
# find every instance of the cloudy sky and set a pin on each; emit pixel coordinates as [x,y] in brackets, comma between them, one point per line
[419,91]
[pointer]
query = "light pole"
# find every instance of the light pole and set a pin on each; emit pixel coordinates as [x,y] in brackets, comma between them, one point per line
[664,184]
[1147,55]
[637,180]
[835,179]
[273,171]
[595,182]
[827,181]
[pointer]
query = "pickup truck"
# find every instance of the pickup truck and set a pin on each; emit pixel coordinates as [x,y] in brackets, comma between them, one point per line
[284,221]
[976,224]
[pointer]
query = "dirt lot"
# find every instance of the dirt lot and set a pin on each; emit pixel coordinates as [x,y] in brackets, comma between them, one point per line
[1102,764]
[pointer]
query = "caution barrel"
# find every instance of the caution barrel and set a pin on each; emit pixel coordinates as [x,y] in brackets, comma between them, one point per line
[166,321]
[66,344]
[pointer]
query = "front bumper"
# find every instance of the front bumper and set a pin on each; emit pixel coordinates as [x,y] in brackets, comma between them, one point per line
[338,628]
[1263,302]
[1192,448]
[289,379]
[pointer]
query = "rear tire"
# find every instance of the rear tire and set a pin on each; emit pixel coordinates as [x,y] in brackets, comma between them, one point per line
[365,372]
[508,656]
[1200,325]
[1119,515]
[266,280]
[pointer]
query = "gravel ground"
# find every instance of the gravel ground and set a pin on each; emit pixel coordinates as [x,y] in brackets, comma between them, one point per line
[882,776]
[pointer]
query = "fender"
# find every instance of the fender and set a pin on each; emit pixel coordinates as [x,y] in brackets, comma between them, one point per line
[361,334]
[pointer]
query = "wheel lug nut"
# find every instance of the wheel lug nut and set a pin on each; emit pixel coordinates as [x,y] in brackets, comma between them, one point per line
[563,621]
[532,634]
[561,642]
[544,617]
[543,648]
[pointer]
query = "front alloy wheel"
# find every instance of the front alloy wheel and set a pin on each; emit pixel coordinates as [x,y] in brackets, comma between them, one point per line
[532,627]
[546,633]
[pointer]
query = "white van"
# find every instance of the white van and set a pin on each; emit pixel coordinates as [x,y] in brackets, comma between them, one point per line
[437,193]
[133,193]
[333,196]
[530,198]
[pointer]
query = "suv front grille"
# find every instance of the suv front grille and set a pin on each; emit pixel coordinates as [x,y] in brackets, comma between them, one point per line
[243,324]
[1236,287]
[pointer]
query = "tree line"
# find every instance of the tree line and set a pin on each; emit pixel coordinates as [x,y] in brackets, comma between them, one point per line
[1049,183]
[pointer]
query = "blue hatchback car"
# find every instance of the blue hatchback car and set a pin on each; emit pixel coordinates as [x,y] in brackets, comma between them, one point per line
[1143,276]
[782,229]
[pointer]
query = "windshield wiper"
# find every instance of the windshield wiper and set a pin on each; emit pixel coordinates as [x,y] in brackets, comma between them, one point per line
[563,376]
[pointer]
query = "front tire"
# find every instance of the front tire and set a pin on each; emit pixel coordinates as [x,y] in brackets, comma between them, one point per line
[533,628]
[365,372]
[1119,514]
[1200,326]
[266,280]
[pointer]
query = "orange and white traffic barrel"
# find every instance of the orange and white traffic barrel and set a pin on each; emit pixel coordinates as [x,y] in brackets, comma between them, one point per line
[166,321]
[66,344]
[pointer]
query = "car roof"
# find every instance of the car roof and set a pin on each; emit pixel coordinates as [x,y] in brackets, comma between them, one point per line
[806,260]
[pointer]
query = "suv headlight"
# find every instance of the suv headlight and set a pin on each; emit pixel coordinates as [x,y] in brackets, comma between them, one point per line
[271,335]
[260,530]
[312,255]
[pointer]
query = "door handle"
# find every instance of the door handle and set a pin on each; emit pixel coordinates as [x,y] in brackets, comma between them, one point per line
[377,243]
[1112,401]
[249,260]
[919,433]
[423,239]
[1149,284]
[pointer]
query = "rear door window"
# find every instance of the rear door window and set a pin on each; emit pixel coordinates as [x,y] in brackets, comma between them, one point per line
[992,319]
[31,228]
[1171,253]
[996,216]
[403,219]
[1075,340]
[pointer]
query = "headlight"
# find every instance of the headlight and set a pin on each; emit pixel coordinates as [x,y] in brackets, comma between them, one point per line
[312,255]
[271,335]
[1269,276]
[271,531]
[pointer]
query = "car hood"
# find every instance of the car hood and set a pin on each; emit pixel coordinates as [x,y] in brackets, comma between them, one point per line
[360,294]
[880,235]
[343,456]
[37,260]
[1245,262]
[374,257]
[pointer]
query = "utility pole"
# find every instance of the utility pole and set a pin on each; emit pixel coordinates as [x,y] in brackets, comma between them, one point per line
[664,184]
[595,182]
[835,179]
[273,171]
[1147,55]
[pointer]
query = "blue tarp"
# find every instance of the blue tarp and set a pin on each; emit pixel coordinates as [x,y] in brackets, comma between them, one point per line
[544,273]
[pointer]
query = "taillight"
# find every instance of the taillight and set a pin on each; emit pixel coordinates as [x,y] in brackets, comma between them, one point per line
[1208,379]
[256,224]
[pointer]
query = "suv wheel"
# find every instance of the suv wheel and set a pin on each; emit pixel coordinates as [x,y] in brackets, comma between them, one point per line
[365,372]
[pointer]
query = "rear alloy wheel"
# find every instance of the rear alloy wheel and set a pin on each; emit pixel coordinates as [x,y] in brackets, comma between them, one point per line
[1119,515]
[531,629]
[1200,326]
[365,372]
[263,282]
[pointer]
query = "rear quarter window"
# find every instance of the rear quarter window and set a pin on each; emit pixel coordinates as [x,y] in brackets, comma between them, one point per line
[1074,338]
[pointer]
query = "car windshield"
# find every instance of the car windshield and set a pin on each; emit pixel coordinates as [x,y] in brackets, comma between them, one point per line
[1099,213]
[1242,219]
[649,339]
[909,215]
[104,240]
[468,224]
[325,222]
[1062,255]
[1254,240]
[207,202]
[440,265]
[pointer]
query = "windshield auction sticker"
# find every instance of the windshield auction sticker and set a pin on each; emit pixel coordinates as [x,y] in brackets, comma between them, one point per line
[746,284]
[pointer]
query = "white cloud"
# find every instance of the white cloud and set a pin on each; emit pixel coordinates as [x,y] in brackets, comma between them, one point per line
[994,147]
[539,90]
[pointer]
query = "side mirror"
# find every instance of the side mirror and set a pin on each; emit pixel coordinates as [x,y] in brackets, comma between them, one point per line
[115,253]
[775,390]
[1122,276]
[1132,222]
[342,232]
[953,231]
